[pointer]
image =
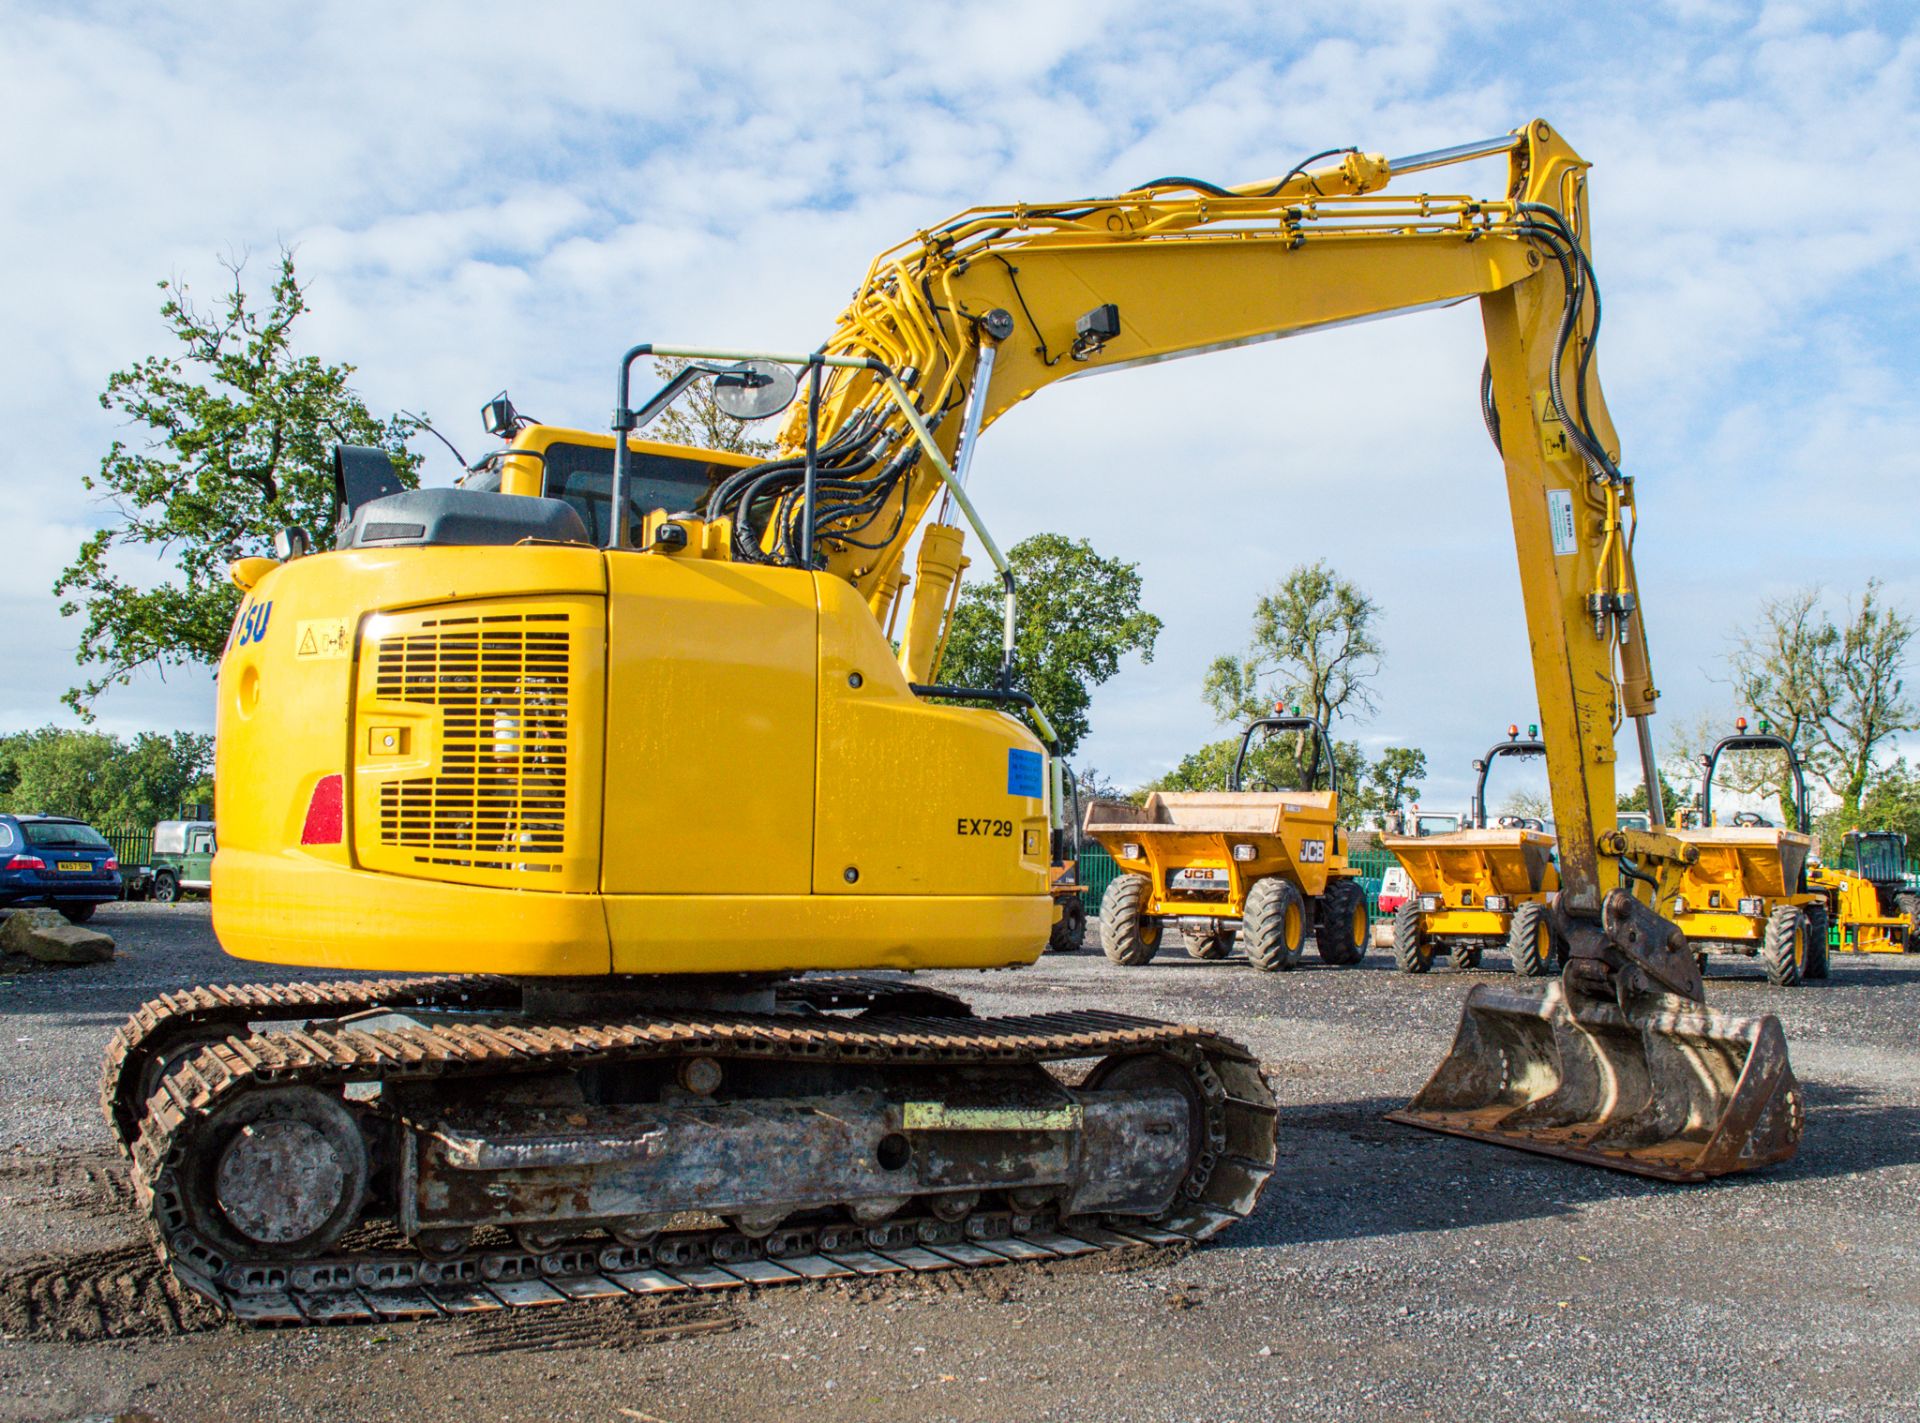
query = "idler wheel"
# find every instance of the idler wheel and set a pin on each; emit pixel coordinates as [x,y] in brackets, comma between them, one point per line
[286,1174]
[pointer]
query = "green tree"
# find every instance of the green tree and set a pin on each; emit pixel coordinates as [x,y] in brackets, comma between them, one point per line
[1079,615]
[100,778]
[1835,688]
[1892,802]
[1670,798]
[1393,782]
[694,419]
[234,443]
[1313,644]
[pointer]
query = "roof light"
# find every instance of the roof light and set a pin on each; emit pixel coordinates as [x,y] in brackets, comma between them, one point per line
[1739,723]
[1513,731]
[1533,730]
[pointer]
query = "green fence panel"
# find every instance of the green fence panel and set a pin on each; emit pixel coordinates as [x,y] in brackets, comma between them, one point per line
[1095,872]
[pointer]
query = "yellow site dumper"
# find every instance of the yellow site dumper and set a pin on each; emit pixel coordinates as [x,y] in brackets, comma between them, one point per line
[1747,892]
[1479,888]
[1259,860]
[1873,906]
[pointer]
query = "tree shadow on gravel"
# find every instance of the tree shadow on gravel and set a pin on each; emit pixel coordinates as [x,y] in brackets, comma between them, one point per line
[1346,1173]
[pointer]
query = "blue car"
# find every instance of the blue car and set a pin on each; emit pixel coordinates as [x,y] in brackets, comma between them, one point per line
[56,861]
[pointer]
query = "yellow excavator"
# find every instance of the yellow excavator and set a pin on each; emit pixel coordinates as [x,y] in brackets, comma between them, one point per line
[610,746]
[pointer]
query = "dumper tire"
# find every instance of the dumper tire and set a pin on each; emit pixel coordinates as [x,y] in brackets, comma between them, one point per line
[1530,942]
[1340,936]
[1909,905]
[1411,948]
[1212,943]
[1463,955]
[1783,948]
[1273,928]
[1817,965]
[1066,936]
[1128,934]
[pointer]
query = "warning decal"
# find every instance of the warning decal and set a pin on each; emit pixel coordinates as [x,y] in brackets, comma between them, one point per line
[1560,521]
[321,638]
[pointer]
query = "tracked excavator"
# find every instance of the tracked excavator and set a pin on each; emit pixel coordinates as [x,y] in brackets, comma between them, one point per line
[608,747]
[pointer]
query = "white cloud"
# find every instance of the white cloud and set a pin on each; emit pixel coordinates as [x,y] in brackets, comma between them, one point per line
[480,200]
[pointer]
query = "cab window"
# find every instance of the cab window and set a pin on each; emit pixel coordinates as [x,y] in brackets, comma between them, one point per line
[583,476]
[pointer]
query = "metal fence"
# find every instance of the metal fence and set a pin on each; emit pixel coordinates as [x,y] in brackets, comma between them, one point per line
[130,846]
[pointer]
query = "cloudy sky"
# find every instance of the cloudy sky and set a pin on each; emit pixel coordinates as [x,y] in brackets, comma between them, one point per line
[493,195]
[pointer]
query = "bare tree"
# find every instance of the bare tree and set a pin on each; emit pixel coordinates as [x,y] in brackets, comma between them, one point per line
[694,419]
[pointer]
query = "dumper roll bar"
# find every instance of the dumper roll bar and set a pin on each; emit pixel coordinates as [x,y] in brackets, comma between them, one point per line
[1753,741]
[1322,749]
[1485,764]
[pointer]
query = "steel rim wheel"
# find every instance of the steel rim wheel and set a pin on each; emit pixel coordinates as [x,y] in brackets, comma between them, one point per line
[287,1174]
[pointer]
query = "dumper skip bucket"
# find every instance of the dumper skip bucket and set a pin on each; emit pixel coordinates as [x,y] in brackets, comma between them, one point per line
[1665,1089]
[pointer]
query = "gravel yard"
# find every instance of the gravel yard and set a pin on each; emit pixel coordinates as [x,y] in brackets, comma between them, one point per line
[1388,1273]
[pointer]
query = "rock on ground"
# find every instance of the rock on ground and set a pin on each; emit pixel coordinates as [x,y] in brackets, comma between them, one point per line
[45,934]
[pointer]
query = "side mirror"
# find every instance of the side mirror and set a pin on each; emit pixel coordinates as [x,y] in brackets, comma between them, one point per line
[1479,765]
[361,474]
[753,390]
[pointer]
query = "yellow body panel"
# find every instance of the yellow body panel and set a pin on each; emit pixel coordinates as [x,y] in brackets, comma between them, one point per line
[1294,835]
[1466,866]
[914,797]
[1736,862]
[626,762]
[710,728]
[1853,906]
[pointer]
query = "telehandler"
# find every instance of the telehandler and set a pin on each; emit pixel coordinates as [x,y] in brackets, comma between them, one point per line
[514,737]
[1267,861]
[1481,887]
[1746,891]
[1875,908]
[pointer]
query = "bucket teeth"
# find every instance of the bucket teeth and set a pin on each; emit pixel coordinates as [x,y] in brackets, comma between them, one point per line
[1666,1088]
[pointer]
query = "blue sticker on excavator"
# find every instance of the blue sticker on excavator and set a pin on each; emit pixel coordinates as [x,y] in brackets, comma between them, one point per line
[1026,773]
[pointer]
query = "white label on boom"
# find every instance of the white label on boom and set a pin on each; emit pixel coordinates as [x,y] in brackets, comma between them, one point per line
[1560,520]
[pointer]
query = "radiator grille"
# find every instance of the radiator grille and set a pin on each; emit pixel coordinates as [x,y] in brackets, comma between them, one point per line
[501,682]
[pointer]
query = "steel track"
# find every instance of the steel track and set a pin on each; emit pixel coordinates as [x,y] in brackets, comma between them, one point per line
[1225,1179]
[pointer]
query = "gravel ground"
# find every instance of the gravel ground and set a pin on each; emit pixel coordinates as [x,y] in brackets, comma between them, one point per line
[1388,1274]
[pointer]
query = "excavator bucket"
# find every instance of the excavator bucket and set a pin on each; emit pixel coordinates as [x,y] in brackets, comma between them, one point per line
[1668,1089]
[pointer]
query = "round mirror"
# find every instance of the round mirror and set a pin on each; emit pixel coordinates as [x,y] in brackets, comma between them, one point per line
[753,390]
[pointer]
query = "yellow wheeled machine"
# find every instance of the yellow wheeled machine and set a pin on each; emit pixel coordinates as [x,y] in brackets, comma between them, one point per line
[611,747]
[1747,891]
[1264,862]
[1479,888]
[1873,908]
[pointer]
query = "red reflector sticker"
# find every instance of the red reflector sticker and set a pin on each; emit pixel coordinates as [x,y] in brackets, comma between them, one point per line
[324,813]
